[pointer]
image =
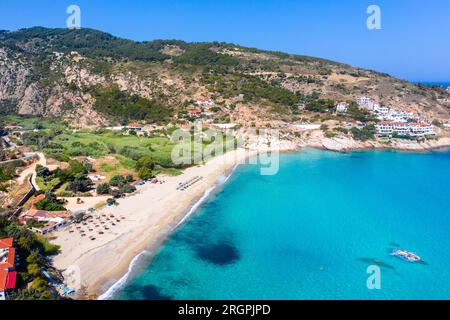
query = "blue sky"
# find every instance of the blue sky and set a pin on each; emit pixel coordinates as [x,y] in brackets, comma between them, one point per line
[414,42]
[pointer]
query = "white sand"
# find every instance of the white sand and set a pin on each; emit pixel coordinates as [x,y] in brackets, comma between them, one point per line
[149,215]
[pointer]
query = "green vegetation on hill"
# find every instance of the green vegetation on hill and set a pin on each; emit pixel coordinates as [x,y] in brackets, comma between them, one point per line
[124,107]
[91,43]
[200,54]
[359,114]
[366,133]
[252,87]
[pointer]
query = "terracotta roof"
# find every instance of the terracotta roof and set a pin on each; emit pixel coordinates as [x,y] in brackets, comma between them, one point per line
[6,243]
[10,260]
[34,214]
[392,123]
[38,198]
[7,280]
[3,279]
[12,279]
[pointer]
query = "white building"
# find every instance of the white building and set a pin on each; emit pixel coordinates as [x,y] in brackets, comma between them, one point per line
[363,101]
[405,129]
[307,126]
[382,109]
[204,102]
[371,105]
[342,107]
[422,129]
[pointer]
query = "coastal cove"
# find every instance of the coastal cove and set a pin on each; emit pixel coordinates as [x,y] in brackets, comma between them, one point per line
[310,232]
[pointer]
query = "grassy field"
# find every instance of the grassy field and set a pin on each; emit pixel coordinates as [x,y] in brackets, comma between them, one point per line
[30,122]
[115,152]
[98,145]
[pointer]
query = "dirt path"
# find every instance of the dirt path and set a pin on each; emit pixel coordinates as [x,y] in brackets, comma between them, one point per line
[31,169]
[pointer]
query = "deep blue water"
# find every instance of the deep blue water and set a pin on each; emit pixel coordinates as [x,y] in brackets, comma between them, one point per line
[311,231]
[443,84]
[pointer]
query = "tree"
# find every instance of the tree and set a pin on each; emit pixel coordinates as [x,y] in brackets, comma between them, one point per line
[42,172]
[126,188]
[103,189]
[145,173]
[117,181]
[50,203]
[78,217]
[33,270]
[81,183]
[364,134]
[145,162]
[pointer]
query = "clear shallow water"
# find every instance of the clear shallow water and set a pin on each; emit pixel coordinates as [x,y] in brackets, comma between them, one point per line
[311,231]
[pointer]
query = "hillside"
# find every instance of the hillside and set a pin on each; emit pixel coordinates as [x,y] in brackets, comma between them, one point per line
[90,78]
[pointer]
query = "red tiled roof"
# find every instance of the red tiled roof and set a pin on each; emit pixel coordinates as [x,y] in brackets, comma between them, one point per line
[3,279]
[6,243]
[38,198]
[11,258]
[34,214]
[195,111]
[135,125]
[7,280]
[392,123]
[12,279]
[421,124]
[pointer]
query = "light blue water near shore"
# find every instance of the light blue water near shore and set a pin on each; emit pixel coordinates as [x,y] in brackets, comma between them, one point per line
[311,231]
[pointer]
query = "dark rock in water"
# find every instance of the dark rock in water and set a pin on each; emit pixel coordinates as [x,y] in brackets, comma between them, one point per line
[151,292]
[219,254]
[378,262]
[394,244]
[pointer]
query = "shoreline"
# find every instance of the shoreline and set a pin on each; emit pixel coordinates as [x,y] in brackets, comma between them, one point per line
[145,237]
[345,144]
[151,250]
[104,281]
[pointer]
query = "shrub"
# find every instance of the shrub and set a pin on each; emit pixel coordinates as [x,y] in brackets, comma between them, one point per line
[145,173]
[103,189]
[117,181]
[126,188]
[364,134]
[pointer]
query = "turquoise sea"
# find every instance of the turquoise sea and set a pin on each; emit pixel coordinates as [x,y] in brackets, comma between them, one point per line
[311,231]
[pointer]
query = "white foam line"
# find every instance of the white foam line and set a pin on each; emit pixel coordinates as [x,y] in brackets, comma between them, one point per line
[203,198]
[116,286]
[119,284]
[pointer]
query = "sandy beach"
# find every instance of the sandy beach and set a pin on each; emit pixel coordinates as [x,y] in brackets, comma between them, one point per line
[142,221]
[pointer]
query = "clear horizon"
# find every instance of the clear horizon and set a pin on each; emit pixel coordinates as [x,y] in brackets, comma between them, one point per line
[412,44]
